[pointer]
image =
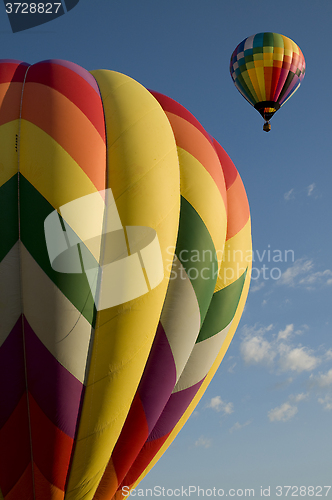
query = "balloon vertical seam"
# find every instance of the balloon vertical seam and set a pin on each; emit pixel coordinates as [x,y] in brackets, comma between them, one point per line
[21,288]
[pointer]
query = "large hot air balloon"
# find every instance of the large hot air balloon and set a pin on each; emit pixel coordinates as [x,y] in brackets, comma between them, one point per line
[267,68]
[125,262]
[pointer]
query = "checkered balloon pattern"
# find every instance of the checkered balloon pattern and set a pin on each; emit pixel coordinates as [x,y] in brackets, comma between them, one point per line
[267,68]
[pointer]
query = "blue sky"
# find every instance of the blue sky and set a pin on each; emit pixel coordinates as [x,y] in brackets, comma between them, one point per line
[265,418]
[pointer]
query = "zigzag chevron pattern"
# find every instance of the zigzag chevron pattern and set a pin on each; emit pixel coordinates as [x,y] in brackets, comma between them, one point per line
[91,397]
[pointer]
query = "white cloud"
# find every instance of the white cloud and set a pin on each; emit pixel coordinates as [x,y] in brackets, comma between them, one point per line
[257,286]
[299,267]
[320,277]
[289,195]
[231,368]
[237,426]
[249,331]
[286,333]
[257,350]
[298,397]
[203,442]
[282,413]
[278,350]
[301,274]
[310,188]
[217,404]
[328,354]
[301,330]
[287,410]
[298,359]
[322,380]
[228,408]
[326,402]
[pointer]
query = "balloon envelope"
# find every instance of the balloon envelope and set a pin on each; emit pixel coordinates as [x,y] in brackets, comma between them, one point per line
[124,263]
[267,68]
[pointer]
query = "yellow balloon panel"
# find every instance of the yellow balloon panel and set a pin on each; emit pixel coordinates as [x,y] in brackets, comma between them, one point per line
[143,174]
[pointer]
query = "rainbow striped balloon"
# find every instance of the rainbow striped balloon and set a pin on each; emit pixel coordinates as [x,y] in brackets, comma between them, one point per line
[125,260]
[267,68]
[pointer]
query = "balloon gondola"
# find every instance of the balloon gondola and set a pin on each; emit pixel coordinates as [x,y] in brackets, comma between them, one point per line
[267,68]
[267,126]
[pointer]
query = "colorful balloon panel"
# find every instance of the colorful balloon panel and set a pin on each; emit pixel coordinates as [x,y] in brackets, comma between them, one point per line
[215,332]
[64,371]
[125,256]
[202,232]
[267,68]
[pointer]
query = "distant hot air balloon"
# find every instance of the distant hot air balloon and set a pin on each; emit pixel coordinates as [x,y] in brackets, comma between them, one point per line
[267,68]
[125,259]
